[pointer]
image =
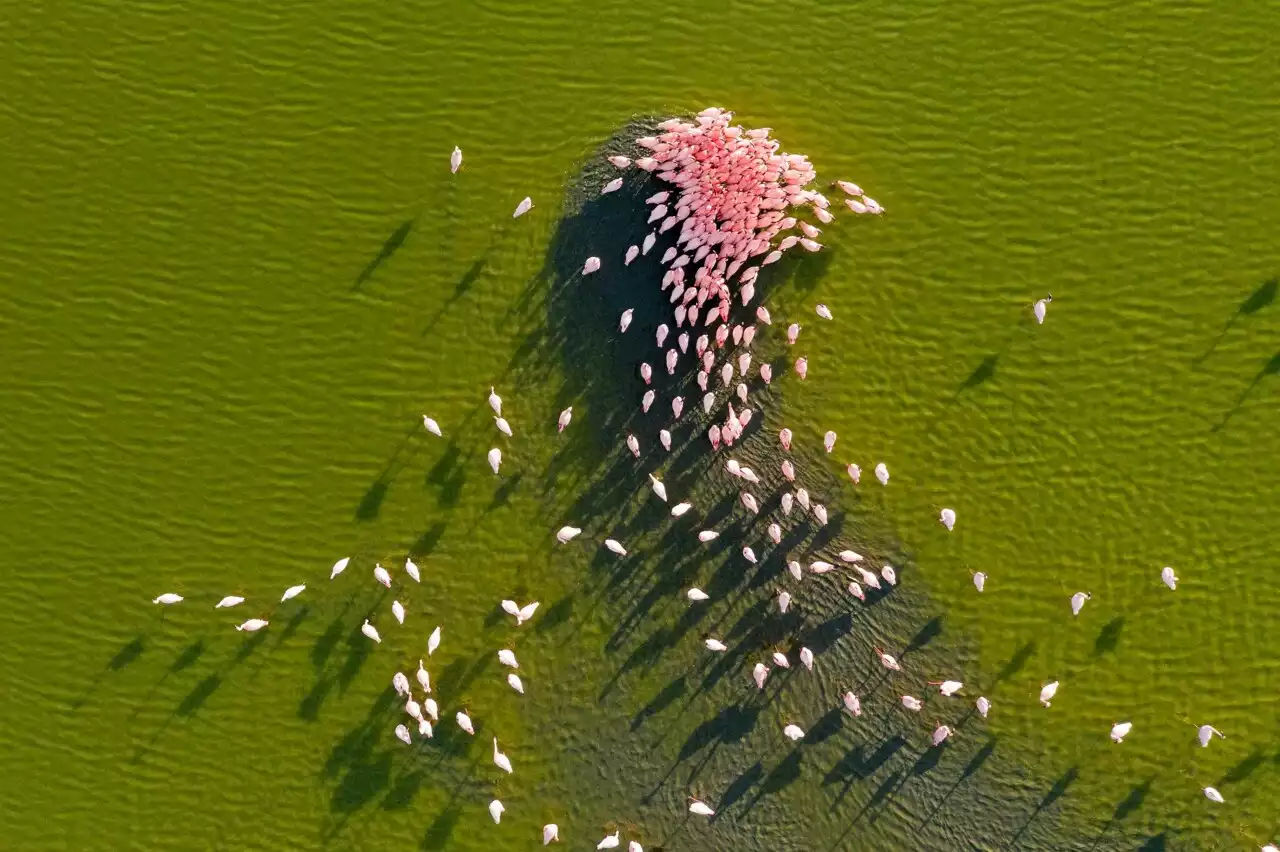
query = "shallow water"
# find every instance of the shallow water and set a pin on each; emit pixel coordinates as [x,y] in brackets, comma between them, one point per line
[237,271]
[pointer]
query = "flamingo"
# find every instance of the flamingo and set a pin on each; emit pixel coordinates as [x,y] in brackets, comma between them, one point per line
[501,760]
[253,625]
[912,703]
[759,673]
[1040,307]
[1205,733]
[1047,692]
[567,533]
[380,574]
[1169,578]
[882,473]
[829,441]
[566,417]
[339,567]
[523,207]
[402,734]
[658,488]
[464,722]
[495,459]
[979,580]
[1077,601]
[610,842]
[793,732]
[852,704]
[948,518]
[888,661]
[495,402]
[697,595]
[229,600]
[508,658]
[432,426]
[700,808]
[397,609]
[1120,730]
[412,570]
[550,831]
[983,705]
[292,592]
[433,641]
[715,645]
[495,810]
[855,472]
[424,679]
[168,599]
[615,546]
[369,630]
[455,160]
[822,310]
[503,426]
[590,265]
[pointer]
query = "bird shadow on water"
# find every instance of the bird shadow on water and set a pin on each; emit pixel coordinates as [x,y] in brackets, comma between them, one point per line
[1108,636]
[1056,792]
[389,248]
[1260,298]
[1270,368]
[441,830]
[1128,806]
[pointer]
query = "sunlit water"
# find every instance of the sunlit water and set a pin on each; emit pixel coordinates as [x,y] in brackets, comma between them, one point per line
[236,272]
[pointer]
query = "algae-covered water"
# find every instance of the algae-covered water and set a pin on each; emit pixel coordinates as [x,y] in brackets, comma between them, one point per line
[236,271]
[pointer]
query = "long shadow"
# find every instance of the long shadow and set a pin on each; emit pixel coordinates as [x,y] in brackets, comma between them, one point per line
[1108,636]
[786,773]
[980,757]
[1056,792]
[738,788]
[128,652]
[361,784]
[664,699]
[1243,769]
[1256,301]
[1127,807]
[1271,368]
[426,543]
[1018,661]
[982,373]
[196,698]
[389,248]
[460,290]
[441,830]
[931,630]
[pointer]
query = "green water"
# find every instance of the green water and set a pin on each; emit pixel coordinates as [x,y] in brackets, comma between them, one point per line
[212,386]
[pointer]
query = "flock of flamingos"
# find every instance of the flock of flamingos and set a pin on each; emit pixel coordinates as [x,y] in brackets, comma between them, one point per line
[731,202]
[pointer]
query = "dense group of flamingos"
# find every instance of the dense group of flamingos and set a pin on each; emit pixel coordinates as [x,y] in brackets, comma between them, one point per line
[732,195]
